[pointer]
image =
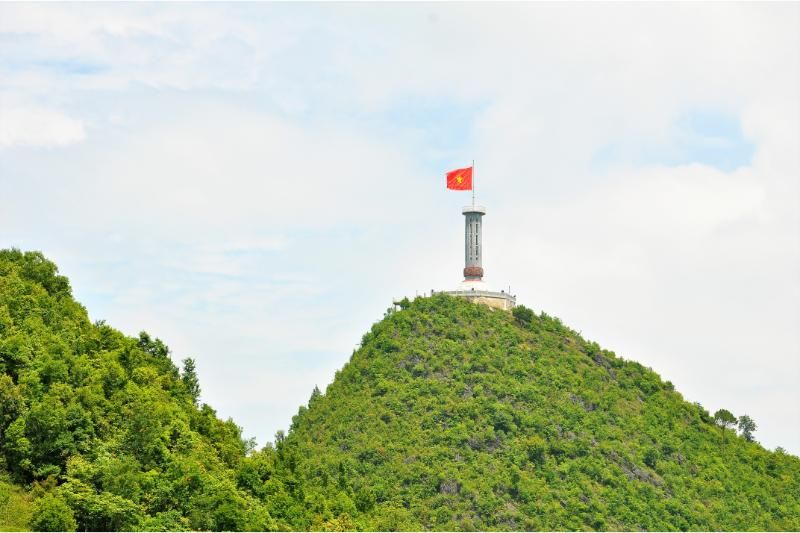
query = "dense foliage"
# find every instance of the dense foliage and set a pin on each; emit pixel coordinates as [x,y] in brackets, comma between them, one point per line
[452,416]
[449,416]
[104,426]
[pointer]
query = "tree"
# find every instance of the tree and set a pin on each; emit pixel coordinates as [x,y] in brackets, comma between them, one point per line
[189,379]
[747,426]
[536,447]
[724,419]
[97,510]
[315,395]
[343,522]
[523,315]
[51,513]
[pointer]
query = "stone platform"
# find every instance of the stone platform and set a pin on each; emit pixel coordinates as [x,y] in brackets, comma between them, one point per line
[480,293]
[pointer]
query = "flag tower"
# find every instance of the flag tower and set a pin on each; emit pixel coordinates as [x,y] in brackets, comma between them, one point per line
[473,287]
[473,242]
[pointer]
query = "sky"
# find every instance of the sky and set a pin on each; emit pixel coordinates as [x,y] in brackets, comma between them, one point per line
[255,183]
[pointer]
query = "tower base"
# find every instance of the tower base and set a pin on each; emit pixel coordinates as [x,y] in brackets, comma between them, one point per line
[478,292]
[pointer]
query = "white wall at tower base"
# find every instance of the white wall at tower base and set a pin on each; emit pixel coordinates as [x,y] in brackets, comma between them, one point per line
[479,292]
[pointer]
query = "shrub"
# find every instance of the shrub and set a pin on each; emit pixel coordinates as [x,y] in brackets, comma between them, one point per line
[651,457]
[51,513]
[523,315]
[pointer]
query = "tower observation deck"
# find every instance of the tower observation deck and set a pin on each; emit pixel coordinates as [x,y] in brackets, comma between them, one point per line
[473,287]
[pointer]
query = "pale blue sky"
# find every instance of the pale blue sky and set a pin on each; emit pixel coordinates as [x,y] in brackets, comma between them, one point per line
[254,183]
[706,136]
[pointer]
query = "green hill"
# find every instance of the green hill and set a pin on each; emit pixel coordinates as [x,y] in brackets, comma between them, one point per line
[102,429]
[449,416]
[452,416]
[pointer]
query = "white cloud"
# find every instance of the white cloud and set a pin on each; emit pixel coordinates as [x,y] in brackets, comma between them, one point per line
[35,126]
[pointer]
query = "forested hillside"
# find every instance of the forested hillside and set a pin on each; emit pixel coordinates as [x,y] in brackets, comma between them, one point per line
[449,416]
[452,416]
[102,430]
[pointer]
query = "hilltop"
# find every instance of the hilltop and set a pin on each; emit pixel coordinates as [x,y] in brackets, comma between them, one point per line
[453,416]
[449,416]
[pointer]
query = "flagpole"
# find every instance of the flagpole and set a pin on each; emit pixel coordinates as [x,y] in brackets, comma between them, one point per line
[473,183]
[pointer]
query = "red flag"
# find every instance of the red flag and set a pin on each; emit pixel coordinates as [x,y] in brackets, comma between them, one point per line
[460,179]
